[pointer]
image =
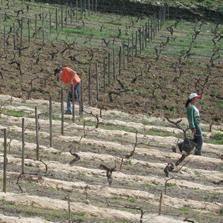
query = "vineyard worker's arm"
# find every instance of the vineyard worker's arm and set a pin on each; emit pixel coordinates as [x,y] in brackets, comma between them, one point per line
[190,117]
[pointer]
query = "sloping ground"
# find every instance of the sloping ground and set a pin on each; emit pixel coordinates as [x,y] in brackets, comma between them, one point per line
[176,62]
[57,188]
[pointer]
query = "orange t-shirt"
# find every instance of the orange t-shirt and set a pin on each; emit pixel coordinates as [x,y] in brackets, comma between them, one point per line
[68,75]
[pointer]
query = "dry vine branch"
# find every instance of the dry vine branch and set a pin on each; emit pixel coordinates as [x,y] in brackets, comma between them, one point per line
[95,116]
[2,105]
[217,182]
[160,203]
[68,46]
[73,152]
[46,167]
[108,172]
[9,143]
[165,185]
[77,157]
[17,182]
[131,153]
[188,220]
[69,209]
[136,77]
[185,147]
[86,191]
[134,147]
[106,42]
[142,212]
[29,177]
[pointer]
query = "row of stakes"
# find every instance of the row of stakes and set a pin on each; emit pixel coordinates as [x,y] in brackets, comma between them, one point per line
[37,135]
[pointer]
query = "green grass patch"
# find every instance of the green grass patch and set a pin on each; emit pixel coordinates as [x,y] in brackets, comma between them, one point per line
[14,113]
[131,200]
[153,132]
[48,214]
[216,138]
[220,104]
[171,185]
[157,132]
[185,210]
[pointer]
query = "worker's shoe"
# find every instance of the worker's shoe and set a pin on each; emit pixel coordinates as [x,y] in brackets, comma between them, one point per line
[197,153]
[68,113]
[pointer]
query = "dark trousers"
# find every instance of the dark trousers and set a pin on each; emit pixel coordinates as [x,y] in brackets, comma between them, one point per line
[198,139]
[77,95]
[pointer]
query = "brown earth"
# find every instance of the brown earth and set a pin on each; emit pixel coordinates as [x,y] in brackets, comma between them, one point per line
[158,90]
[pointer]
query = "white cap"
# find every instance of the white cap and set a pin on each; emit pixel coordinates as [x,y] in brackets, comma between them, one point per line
[194,95]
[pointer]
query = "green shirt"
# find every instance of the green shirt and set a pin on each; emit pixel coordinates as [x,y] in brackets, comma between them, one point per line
[193,116]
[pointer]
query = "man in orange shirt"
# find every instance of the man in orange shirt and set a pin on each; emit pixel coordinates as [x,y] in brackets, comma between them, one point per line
[72,80]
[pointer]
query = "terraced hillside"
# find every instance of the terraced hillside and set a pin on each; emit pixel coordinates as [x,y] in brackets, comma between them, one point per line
[131,63]
[69,182]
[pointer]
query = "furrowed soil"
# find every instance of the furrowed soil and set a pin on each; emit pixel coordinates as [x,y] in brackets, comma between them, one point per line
[57,187]
[107,166]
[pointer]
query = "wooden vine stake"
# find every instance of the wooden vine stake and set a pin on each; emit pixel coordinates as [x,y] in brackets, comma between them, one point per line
[105,72]
[140,40]
[37,133]
[4,38]
[21,35]
[62,111]
[35,26]
[123,55]
[160,202]
[50,122]
[56,17]
[120,61]
[61,17]
[14,36]
[69,210]
[128,51]
[23,144]
[89,85]
[136,42]
[113,63]
[28,27]
[5,160]
[97,82]
[42,28]
[109,62]
[81,106]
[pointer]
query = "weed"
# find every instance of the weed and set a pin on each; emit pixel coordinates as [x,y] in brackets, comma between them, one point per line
[14,113]
[184,210]
[220,104]
[171,185]
[216,138]
[157,132]
[131,200]
[50,215]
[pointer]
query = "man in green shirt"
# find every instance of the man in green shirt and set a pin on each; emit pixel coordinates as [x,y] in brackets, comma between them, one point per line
[193,116]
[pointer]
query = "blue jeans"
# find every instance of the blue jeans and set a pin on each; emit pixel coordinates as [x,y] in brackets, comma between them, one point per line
[77,91]
[198,139]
